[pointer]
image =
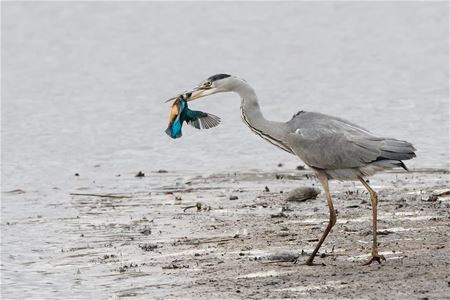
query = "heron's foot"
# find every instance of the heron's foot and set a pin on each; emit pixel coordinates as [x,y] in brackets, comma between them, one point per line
[375,257]
[310,262]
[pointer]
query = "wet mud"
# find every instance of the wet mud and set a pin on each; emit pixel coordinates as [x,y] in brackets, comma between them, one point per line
[233,236]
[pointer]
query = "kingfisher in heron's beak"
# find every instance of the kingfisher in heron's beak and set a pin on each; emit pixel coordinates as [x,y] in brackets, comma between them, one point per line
[180,113]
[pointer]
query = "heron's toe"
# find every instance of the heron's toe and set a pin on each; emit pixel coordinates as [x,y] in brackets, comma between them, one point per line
[378,258]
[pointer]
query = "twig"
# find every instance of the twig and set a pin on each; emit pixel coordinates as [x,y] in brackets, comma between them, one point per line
[100,195]
[198,205]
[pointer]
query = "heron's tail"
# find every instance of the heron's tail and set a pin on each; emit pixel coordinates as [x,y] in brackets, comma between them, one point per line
[397,150]
[393,152]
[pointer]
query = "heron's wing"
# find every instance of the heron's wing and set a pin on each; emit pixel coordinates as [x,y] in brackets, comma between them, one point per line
[332,143]
[201,120]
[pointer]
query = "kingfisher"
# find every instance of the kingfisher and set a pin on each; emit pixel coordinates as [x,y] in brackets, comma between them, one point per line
[181,113]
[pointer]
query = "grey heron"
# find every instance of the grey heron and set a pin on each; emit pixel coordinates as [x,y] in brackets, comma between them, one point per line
[333,147]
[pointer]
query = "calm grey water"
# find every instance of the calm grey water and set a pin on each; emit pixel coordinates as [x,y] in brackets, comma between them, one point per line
[83,86]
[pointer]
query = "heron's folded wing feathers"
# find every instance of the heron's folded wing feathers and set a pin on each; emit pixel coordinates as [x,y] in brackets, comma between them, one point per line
[333,144]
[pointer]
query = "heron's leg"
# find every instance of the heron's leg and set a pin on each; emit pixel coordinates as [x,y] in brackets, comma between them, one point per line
[324,181]
[374,201]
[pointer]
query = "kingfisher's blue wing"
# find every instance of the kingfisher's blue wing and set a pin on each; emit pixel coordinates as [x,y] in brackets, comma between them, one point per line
[200,119]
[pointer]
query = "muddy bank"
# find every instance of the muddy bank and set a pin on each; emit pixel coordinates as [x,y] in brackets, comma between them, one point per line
[229,236]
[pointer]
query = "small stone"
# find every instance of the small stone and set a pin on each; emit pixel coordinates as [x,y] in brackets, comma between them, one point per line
[234,197]
[266,189]
[146,231]
[140,174]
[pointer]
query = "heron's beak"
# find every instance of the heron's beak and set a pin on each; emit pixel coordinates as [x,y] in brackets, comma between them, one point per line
[199,93]
[195,93]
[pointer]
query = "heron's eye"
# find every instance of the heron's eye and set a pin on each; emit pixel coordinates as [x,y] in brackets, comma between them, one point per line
[207,84]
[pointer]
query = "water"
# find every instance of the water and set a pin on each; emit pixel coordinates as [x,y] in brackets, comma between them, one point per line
[83,86]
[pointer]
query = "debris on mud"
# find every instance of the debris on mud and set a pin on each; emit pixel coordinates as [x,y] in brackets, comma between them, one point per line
[140,174]
[124,268]
[176,264]
[148,247]
[198,205]
[283,256]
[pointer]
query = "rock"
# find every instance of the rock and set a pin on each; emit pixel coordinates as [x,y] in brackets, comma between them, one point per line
[234,197]
[441,193]
[140,174]
[146,231]
[303,194]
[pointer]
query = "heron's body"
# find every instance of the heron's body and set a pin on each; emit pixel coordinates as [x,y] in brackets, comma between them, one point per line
[341,149]
[333,147]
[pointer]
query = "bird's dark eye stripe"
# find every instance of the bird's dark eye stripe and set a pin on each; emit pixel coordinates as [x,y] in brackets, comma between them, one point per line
[218,76]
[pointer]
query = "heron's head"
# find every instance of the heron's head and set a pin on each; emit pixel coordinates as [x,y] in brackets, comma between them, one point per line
[218,83]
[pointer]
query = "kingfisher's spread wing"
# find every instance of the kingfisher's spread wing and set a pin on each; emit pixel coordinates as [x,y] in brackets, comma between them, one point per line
[200,119]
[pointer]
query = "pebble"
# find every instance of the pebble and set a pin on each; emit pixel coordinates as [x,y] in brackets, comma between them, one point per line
[303,194]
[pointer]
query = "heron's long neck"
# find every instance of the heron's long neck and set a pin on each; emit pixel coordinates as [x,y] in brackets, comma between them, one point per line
[273,132]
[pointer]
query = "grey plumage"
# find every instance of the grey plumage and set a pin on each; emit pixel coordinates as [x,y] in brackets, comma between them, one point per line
[342,149]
